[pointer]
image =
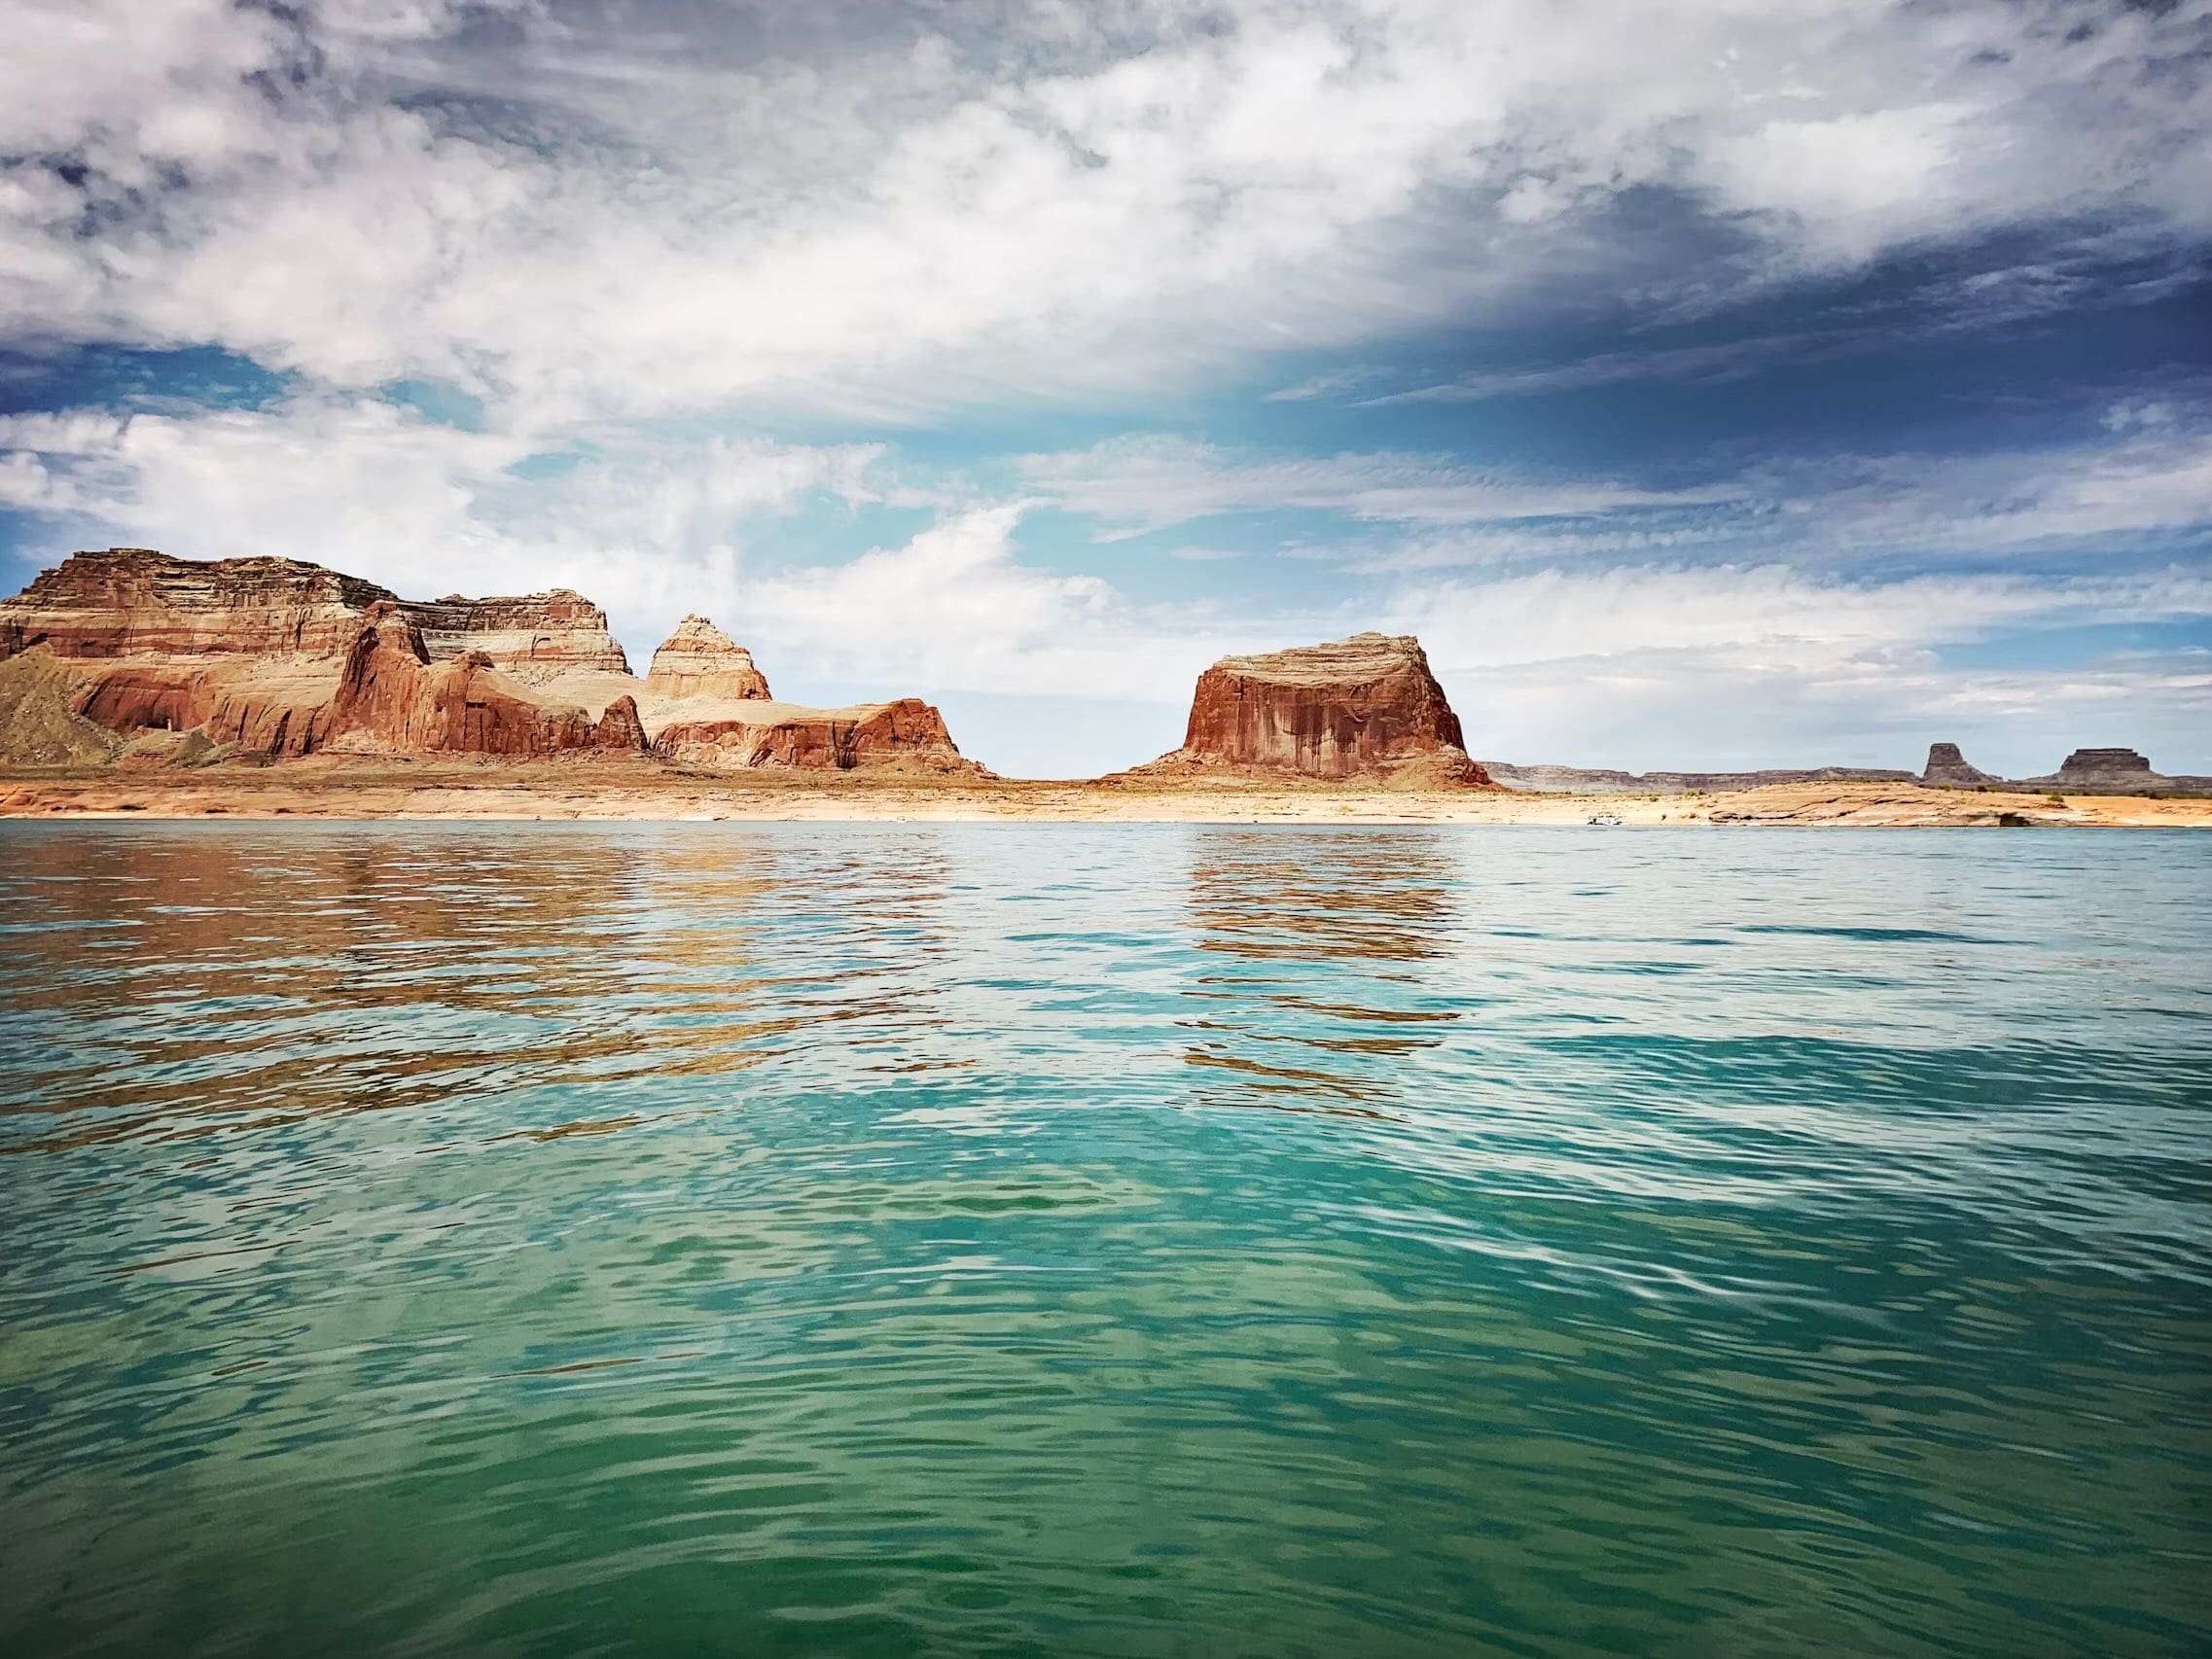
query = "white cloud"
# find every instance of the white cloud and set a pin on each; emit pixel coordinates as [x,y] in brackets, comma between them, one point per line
[1145,484]
[954,610]
[424,509]
[2149,475]
[598,212]
[1658,666]
[1658,661]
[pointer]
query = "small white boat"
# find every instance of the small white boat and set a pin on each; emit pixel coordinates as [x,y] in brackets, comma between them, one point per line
[1606,820]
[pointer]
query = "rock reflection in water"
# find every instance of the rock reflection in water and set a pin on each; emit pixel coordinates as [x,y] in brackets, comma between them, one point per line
[279,976]
[1320,991]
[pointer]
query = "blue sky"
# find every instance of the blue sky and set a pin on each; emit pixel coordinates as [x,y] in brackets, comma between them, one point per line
[1710,385]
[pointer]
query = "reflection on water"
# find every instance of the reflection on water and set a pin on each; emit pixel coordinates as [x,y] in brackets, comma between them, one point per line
[861,1240]
[1320,987]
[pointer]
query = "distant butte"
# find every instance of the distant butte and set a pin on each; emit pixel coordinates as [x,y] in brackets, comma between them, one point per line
[1363,708]
[1948,769]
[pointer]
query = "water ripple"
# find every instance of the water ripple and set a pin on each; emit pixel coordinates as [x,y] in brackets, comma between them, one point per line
[915,1239]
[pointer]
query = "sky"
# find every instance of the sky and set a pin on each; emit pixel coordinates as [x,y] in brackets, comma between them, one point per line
[1719,384]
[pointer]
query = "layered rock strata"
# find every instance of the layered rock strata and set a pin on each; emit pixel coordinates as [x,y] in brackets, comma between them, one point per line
[135,602]
[1364,707]
[906,735]
[129,652]
[532,636]
[2114,771]
[1948,769]
[392,696]
[699,660]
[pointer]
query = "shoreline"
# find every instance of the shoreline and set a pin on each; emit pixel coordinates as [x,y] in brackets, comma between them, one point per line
[561,793]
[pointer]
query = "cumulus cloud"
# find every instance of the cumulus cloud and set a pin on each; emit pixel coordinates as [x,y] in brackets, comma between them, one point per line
[631,231]
[956,609]
[600,211]
[1655,666]
[376,490]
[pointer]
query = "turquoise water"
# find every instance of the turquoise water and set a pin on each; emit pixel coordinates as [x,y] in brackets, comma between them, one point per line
[1191,1241]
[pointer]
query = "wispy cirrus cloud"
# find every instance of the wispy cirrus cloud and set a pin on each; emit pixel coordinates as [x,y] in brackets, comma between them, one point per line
[2147,471]
[1140,483]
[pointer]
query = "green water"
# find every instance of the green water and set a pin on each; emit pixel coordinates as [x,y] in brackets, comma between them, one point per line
[903,1238]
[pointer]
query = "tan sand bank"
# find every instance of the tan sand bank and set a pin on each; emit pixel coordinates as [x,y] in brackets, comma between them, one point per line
[646,791]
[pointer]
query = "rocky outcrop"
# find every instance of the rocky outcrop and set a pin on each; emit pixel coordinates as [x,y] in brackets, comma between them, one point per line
[699,660]
[135,602]
[392,696]
[2094,769]
[1948,769]
[906,735]
[2113,771]
[132,602]
[533,637]
[1364,707]
[618,727]
[133,653]
[38,724]
[274,707]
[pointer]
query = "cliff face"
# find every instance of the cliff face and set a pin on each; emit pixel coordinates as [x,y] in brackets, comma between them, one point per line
[282,658]
[392,696]
[533,637]
[907,736]
[135,602]
[127,602]
[1366,706]
[699,660]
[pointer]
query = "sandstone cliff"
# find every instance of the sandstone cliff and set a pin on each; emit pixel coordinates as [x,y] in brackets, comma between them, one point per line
[906,735]
[392,696]
[136,602]
[1364,707]
[130,655]
[699,660]
[533,637]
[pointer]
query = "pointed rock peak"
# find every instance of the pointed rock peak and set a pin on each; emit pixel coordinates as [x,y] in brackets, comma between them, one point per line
[699,660]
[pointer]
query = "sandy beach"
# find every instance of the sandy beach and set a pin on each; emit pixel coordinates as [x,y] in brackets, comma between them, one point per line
[602,791]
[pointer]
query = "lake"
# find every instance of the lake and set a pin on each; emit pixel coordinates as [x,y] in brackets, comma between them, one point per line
[902,1239]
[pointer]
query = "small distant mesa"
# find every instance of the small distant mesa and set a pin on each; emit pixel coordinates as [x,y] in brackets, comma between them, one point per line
[132,657]
[1363,708]
[2085,772]
[1948,769]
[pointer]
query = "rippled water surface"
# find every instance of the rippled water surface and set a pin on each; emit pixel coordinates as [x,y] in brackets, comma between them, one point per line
[1194,1241]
